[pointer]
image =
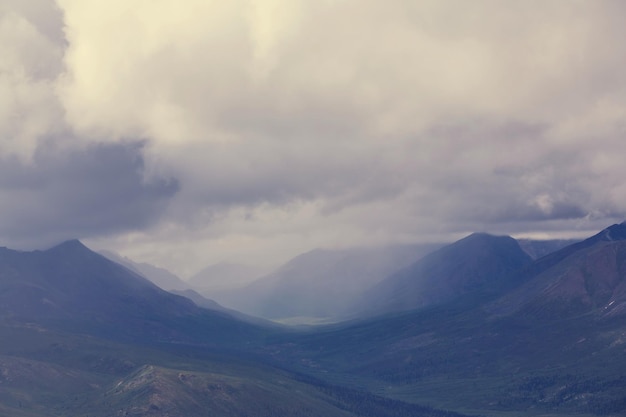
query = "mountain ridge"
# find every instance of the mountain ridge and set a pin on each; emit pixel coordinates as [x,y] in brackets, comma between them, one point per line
[586,277]
[477,264]
[321,283]
[71,286]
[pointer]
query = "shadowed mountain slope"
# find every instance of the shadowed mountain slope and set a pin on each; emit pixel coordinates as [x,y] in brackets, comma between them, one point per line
[323,283]
[612,233]
[552,344]
[83,336]
[161,277]
[224,277]
[45,372]
[479,264]
[589,276]
[539,248]
[78,288]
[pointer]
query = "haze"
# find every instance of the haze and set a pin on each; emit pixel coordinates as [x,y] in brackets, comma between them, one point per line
[251,131]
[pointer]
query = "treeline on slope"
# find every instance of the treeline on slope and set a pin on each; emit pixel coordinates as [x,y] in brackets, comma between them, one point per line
[365,404]
[564,392]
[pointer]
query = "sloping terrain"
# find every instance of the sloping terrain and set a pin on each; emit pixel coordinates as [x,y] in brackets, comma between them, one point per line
[471,362]
[82,336]
[219,280]
[322,284]
[478,264]
[51,373]
[586,277]
[539,248]
[161,277]
[71,287]
[553,344]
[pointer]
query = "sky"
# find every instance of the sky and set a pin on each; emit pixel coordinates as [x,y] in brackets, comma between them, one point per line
[189,133]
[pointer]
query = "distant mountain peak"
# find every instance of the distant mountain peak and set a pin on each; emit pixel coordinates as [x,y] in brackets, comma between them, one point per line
[476,266]
[72,244]
[615,232]
[477,235]
[484,236]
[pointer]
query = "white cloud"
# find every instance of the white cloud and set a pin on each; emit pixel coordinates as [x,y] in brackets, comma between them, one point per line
[29,63]
[333,120]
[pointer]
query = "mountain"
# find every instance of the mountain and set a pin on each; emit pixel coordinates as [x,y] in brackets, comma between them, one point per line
[69,280]
[548,340]
[464,359]
[322,283]
[209,304]
[589,276]
[161,277]
[166,280]
[84,336]
[224,282]
[74,287]
[224,277]
[539,248]
[479,264]
[199,300]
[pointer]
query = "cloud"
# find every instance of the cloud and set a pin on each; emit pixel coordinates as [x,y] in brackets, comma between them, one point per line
[29,65]
[323,122]
[214,70]
[97,190]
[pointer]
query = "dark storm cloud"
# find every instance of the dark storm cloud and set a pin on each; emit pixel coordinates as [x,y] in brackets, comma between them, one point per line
[98,189]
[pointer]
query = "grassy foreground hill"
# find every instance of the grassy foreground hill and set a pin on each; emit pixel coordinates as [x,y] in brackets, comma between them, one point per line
[51,373]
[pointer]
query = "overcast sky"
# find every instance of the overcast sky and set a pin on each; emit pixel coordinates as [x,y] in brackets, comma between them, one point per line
[188,133]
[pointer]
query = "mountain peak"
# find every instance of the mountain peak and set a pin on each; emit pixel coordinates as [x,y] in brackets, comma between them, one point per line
[476,266]
[70,245]
[615,232]
[478,235]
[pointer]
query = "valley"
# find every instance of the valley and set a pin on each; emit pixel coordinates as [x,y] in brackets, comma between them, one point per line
[505,335]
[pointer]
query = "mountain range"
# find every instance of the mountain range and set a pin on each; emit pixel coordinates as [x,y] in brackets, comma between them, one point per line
[478,327]
[321,284]
[161,277]
[477,264]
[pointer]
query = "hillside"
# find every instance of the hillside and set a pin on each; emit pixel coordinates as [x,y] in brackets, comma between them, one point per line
[552,344]
[83,336]
[224,277]
[321,284]
[73,287]
[539,248]
[478,264]
[46,373]
[161,277]
[587,277]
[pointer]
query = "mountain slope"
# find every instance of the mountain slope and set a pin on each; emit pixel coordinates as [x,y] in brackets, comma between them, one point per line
[161,277]
[465,360]
[612,233]
[184,360]
[70,280]
[539,248]
[77,288]
[45,372]
[589,276]
[322,283]
[224,277]
[478,264]
[555,345]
